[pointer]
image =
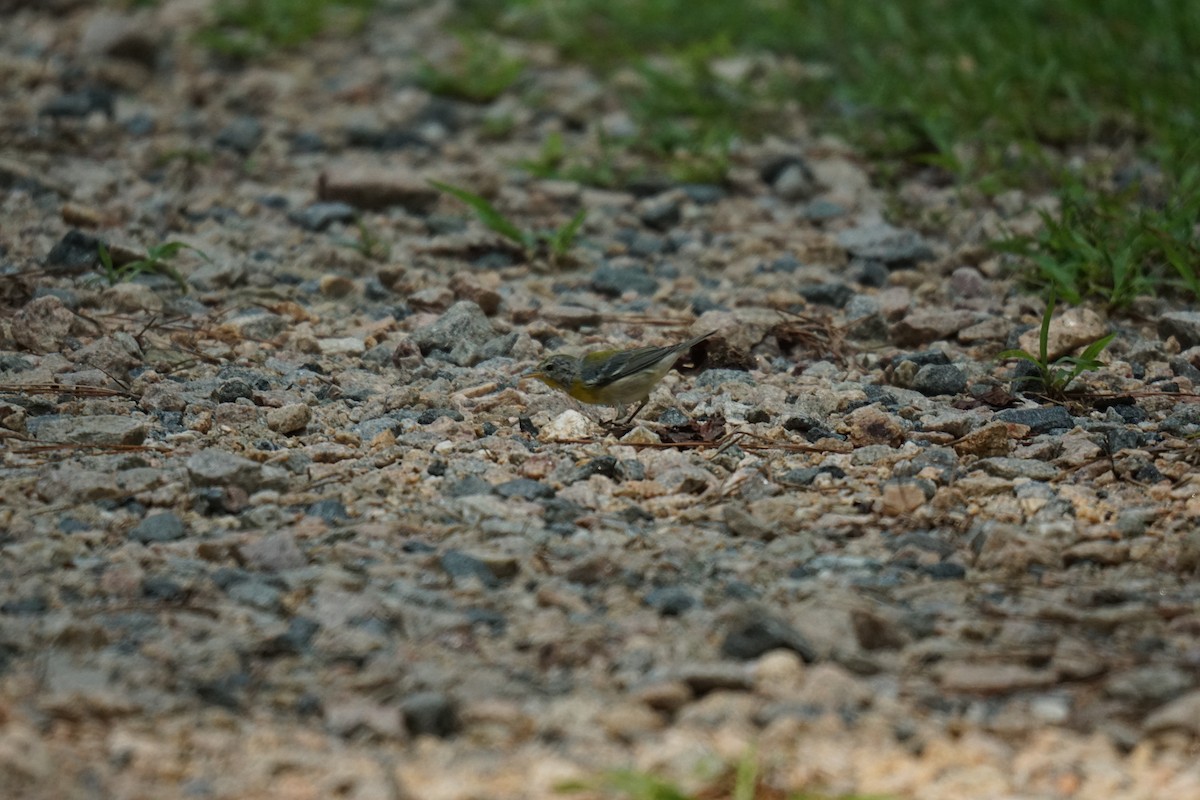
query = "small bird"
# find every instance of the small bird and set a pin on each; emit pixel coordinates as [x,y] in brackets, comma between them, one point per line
[612,377]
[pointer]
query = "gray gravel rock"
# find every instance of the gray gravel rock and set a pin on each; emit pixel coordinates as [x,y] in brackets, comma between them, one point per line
[241,135]
[670,601]
[615,281]
[937,379]
[232,390]
[789,177]
[219,468]
[290,418]
[525,489]
[42,325]
[457,335]
[256,593]
[1184,421]
[319,216]
[923,327]
[832,294]
[164,527]
[430,714]
[881,242]
[1183,325]
[74,253]
[463,566]
[1018,468]
[271,553]
[1039,420]
[81,104]
[257,324]
[466,487]
[713,378]
[101,429]
[751,632]
[115,355]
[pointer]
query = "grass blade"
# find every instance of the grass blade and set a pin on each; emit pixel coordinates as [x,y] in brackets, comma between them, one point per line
[564,237]
[1044,333]
[487,214]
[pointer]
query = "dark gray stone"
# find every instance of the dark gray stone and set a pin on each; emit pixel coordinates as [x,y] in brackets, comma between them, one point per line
[157,587]
[459,565]
[164,527]
[935,379]
[368,429]
[100,429]
[601,465]
[472,484]
[1039,420]
[615,281]
[75,253]
[660,213]
[295,640]
[458,334]
[232,390]
[754,632]
[430,714]
[881,242]
[218,468]
[256,593]
[525,488]
[1183,325]
[801,476]
[823,211]
[703,194]
[670,601]
[81,104]
[1184,421]
[1011,468]
[836,295]
[330,510]
[432,415]
[34,604]
[241,135]
[319,216]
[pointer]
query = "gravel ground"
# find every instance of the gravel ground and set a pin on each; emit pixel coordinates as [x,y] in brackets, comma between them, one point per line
[301,532]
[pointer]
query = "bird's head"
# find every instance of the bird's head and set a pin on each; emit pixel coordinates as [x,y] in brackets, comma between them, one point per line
[559,372]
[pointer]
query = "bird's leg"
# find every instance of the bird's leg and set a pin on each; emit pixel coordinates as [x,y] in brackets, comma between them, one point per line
[641,405]
[615,422]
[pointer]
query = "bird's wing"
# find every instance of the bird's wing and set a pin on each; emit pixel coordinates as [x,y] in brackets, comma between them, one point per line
[603,368]
[607,366]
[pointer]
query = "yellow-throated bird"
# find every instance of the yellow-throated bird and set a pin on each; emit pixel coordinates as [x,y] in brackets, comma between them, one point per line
[612,377]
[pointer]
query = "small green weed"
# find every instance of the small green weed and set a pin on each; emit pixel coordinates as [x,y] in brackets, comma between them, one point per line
[603,166]
[556,244]
[252,28]
[1055,377]
[482,72]
[368,243]
[155,263]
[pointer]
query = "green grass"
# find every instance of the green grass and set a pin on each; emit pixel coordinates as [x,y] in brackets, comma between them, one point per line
[481,71]
[156,262]
[554,244]
[254,28]
[1113,246]
[993,94]
[1054,378]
